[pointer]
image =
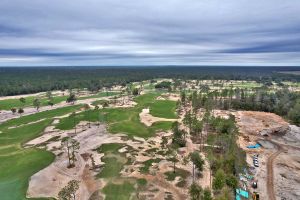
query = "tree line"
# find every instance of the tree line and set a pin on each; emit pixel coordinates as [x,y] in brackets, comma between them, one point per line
[14,80]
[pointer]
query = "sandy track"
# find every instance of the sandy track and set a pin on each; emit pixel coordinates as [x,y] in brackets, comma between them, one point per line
[270,171]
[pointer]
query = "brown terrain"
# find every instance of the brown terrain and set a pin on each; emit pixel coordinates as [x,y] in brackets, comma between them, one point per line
[279,156]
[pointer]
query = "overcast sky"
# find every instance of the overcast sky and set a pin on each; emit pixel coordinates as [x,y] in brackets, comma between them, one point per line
[149,32]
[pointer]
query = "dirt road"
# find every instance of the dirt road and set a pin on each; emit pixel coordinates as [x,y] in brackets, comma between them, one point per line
[270,171]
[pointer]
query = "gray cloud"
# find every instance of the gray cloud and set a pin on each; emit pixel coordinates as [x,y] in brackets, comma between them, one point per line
[142,32]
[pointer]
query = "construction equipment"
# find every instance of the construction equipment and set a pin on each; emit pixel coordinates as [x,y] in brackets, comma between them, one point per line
[255,196]
[254,184]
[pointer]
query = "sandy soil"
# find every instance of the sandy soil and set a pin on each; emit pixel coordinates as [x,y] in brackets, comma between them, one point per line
[22,95]
[251,122]
[49,181]
[278,174]
[147,119]
[287,175]
[169,96]
[122,102]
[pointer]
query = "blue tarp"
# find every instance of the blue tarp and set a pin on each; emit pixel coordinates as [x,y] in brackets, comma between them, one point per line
[243,193]
[237,197]
[253,146]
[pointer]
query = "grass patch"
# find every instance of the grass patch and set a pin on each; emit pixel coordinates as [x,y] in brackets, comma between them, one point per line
[114,161]
[69,122]
[109,148]
[99,102]
[164,109]
[141,182]
[99,95]
[148,164]
[118,191]
[170,176]
[112,167]
[182,174]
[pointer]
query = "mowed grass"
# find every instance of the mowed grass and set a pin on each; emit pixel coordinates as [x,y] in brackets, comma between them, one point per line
[122,120]
[164,109]
[68,123]
[17,164]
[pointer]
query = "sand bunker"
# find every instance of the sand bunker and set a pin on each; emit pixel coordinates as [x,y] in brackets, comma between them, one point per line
[147,119]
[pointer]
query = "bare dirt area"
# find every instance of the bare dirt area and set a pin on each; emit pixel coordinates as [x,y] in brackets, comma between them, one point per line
[147,119]
[253,123]
[49,181]
[169,96]
[122,102]
[279,170]
[287,175]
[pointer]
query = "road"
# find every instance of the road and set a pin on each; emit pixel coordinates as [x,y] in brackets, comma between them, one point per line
[270,171]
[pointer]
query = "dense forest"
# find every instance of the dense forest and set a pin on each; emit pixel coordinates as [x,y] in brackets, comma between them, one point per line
[19,80]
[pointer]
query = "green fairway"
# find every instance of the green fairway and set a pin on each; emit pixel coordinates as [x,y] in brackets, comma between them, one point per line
[164,109]
[18,164]
[123,120]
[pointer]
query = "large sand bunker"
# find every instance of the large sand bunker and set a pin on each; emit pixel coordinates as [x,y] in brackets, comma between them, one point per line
[147,119]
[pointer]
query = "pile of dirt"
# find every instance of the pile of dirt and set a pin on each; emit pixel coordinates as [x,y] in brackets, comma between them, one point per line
[263,123]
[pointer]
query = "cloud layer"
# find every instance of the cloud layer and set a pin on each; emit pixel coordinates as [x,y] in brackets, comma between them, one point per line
[143,32]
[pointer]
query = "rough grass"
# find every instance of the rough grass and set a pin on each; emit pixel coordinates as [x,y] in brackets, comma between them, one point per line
[164,109]
[170,175]
[109,148]
[99,102]
[182,174]
[99,95]
[114,161]
[121,191]
[148,164]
